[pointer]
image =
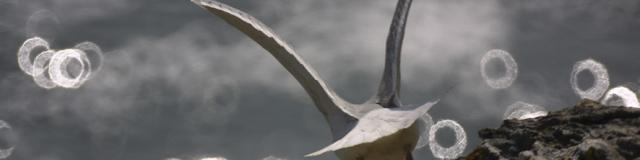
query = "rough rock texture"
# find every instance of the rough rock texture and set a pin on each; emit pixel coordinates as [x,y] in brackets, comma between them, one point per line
[586,131]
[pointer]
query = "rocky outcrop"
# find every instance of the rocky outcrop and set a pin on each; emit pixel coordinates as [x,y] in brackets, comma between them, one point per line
[586,131]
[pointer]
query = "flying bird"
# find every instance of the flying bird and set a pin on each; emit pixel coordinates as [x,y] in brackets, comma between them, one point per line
[380,128]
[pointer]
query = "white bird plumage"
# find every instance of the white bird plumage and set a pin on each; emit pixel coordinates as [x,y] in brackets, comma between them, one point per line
[382,117]
[377,124]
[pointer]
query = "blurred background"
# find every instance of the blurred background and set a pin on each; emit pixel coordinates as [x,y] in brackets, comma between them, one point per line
[177,82]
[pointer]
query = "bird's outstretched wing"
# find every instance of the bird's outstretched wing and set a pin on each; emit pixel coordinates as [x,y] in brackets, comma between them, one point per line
[390,84]
[377,124]
[330,104]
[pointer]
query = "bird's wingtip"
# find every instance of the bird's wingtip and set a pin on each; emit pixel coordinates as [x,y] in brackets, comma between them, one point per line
[329,148]
[431,104]
[435,101]
[316,153]
[196,1]
[311,155]
[204,2]
[427,106]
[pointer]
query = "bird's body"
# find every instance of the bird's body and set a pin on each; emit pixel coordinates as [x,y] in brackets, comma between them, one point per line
[383,133]
[393,147]
[379,129]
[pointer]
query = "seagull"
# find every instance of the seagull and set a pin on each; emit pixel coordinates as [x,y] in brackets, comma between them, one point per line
[380,128]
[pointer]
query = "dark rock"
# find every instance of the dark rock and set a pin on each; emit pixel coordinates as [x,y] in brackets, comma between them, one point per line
[586,131]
